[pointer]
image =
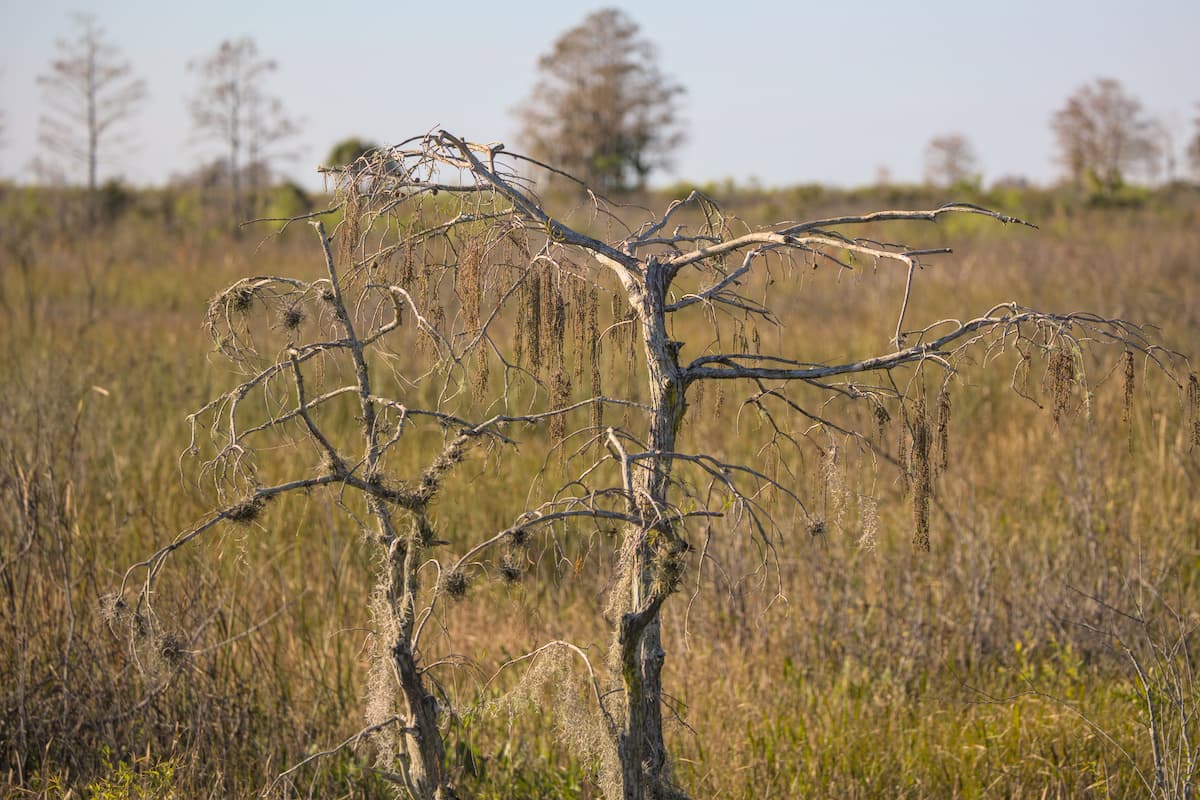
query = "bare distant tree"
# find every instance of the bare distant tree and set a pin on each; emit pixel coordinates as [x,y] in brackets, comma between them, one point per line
[91,92]
[1193,150]
[1161,165]
[602,109]
[950,159]
[232,107]
[1104,135]
[3,124]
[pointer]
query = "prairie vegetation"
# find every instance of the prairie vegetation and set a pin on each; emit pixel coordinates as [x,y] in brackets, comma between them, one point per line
[1042,648]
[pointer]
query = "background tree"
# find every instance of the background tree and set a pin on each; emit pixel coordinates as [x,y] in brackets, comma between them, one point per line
[601,108]
[950,159]
[352,154]
[91,93]
[482,305]
[1193,150]
[1104,136]
[349,150]
[232,107]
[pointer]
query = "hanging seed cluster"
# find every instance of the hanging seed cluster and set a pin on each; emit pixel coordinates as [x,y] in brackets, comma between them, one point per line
[558,332]
[943,429]
[1193,401]
[882,418]
[833,489]
[922,479]
[349,230]
[1061,376]
[541,322]
[468,286]
[1127,385]
[560,393]
[622,339]
[1127,407]
[869,521]
[585,329]
[467,282]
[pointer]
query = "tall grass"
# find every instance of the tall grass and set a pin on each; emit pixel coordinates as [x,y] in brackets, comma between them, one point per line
[845,665]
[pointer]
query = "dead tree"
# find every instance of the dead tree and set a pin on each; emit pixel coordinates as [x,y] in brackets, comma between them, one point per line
[232,107]
[92,94]
[659,273]
[485,313]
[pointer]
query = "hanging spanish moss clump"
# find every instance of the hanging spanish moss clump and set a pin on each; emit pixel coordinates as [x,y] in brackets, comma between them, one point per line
[922,480]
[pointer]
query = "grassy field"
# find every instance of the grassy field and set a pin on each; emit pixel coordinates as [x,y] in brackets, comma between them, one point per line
[1043,648]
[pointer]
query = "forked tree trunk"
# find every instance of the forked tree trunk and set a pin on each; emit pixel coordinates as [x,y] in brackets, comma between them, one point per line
[421,755]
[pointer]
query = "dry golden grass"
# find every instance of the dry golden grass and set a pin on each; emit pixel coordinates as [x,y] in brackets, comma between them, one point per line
[846,665]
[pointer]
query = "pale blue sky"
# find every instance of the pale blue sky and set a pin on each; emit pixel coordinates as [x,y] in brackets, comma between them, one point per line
[781,92]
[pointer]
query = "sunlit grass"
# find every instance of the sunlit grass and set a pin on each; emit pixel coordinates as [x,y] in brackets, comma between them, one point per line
[838,670]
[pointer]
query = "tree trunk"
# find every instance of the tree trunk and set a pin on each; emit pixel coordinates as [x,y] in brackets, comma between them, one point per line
[421,753]
[644,765]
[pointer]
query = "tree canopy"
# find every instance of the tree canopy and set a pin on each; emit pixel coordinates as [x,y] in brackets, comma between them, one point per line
[1104,134]
[601,108]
